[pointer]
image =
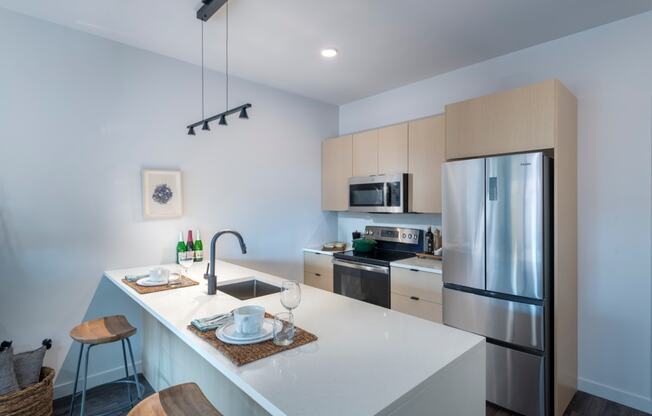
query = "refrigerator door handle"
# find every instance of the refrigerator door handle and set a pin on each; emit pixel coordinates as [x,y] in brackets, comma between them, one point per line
[493,188]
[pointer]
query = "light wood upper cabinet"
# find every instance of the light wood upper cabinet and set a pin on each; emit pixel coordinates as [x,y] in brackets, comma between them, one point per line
[426,155]
[393,149]
[517,120]
[365,153]
[336,169]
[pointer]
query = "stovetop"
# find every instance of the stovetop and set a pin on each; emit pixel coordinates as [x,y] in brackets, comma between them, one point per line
[378,257]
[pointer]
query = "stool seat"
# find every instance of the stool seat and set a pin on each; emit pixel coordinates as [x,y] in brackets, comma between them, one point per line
[103,330]
[181,400]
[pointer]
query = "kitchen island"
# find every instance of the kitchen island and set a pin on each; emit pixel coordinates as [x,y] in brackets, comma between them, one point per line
[368,360]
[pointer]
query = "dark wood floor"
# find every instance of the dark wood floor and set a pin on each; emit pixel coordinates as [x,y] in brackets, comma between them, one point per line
[103,398]
[583,404]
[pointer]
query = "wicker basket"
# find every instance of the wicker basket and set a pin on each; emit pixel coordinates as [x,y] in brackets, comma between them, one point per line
[35,400]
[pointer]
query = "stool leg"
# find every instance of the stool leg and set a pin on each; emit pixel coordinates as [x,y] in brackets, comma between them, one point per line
[83,401]
[74,390]
[133,365]
[124,357]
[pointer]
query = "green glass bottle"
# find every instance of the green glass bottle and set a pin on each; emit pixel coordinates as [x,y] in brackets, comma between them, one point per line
[181,246]
[199,247]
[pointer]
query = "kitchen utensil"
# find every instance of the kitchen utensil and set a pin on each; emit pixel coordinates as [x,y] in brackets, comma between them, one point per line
[290,295]
[364,245]
[283,328]
[230,335]
[248,319]
[159,274]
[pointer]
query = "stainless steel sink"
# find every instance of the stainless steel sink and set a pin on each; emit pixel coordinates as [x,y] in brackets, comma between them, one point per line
[248,289]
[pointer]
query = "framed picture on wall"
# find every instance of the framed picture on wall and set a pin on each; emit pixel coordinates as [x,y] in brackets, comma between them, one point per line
[162,196]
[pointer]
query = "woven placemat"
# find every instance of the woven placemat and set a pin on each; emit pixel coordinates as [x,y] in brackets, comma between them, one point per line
[185,282]
[245,354]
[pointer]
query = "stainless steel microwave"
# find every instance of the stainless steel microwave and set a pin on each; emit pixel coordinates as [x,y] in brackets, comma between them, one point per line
[379,193]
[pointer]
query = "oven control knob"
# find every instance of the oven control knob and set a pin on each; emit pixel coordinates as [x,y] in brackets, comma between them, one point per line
[403,235]
[371,233]
[410,236]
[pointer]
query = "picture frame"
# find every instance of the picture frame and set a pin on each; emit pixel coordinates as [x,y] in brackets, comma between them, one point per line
[162,194]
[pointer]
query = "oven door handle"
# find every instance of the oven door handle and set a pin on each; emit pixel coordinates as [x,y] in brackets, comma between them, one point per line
[358,266]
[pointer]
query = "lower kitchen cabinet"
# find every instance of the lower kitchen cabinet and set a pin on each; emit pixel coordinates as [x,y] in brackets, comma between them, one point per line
[418,307]
[318,280]
[318,270]
[417,293]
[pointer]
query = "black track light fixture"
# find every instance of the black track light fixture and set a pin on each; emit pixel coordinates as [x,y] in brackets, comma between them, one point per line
[209,8]
[243,113]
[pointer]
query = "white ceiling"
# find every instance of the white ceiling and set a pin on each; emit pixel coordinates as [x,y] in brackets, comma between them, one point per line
[383,44]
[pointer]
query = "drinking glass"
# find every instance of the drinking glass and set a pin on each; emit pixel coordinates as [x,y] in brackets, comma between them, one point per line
[290,295]
[283,328]
[186,260]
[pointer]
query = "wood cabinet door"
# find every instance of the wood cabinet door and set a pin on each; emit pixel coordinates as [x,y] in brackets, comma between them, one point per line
[517,120]
[393,149]
[365,153]
[336,169]
[425,158]
[417,307]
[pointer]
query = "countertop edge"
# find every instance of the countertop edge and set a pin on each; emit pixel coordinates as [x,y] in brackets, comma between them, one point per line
[234,378]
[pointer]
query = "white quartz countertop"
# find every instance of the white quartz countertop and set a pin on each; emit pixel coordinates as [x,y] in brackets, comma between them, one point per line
[367,358]
[419,263]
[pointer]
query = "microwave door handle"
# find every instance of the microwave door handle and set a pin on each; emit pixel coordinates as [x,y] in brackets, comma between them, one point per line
[386,194]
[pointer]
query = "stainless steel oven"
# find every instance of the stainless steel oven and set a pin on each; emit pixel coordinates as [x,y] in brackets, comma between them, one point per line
[365,282]
[379,193]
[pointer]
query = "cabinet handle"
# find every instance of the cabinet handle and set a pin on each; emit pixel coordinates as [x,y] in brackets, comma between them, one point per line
[414,298]
[414,270]
[317,274]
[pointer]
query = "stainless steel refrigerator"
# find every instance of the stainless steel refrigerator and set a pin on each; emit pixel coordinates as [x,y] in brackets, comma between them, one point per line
[497,271]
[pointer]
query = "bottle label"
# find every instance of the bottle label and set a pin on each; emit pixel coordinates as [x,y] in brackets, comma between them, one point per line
[199,255]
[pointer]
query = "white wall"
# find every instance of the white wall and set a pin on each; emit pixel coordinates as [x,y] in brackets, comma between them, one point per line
[80,117]
[610,71]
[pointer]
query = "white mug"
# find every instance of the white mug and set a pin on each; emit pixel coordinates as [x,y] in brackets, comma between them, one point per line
[159,274]
[249,319]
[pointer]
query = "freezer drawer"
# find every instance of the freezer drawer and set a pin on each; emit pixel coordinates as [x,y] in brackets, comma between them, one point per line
[503,320]
[463,219]
[515,380]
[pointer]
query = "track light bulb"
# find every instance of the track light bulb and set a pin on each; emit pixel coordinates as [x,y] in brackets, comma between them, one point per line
[205,126]
[243,113]
[191,131]
[222,120]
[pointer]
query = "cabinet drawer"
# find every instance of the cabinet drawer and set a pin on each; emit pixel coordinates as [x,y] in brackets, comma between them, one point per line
[317,263]
[417,307]
[319,280]
[425,285]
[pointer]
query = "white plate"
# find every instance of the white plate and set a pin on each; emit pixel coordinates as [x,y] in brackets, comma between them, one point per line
[147,282]
[229,335]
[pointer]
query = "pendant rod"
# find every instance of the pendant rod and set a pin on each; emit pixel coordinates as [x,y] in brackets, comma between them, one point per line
[217,116]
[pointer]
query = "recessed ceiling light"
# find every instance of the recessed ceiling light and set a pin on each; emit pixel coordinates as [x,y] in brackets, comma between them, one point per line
[329,52]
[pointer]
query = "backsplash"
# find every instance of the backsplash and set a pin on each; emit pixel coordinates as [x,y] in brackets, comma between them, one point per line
[347,222]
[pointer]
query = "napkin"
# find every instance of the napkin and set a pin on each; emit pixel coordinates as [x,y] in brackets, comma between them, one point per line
[134,277]
[211,322]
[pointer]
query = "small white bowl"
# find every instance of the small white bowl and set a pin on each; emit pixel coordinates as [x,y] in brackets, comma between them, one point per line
[249,319]
[159,274]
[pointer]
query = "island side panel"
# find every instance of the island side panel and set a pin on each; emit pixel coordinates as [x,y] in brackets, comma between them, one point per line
[168,361]
[457,389]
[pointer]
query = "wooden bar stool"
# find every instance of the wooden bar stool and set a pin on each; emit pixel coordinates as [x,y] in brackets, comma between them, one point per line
[104,331]
[181,400]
